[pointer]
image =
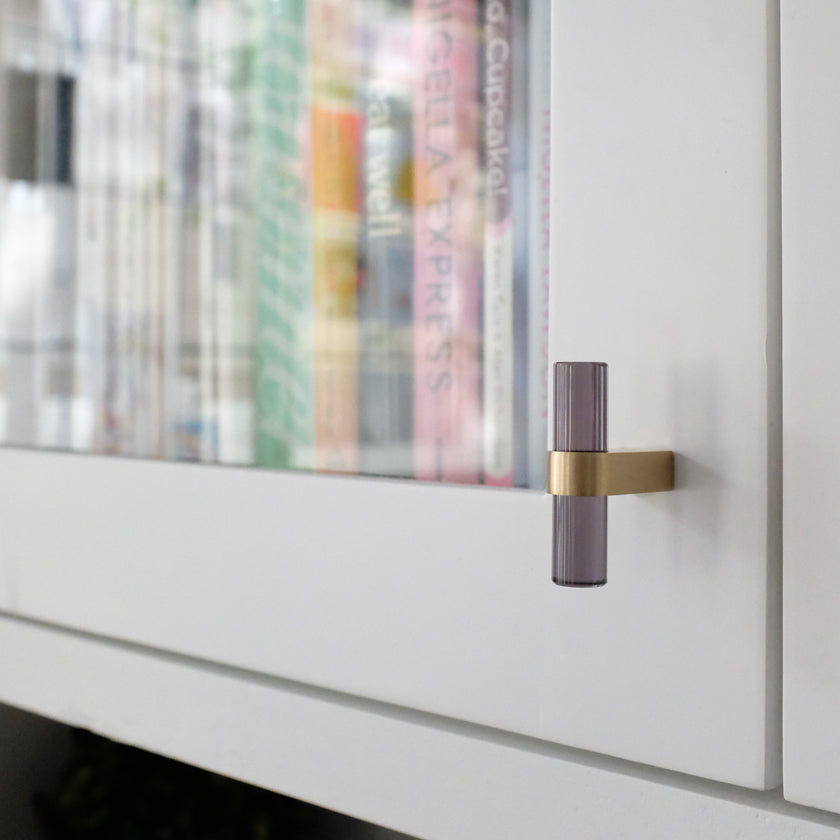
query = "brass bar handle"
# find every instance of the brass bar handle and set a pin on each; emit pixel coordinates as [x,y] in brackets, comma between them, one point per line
[609,473]
[581,473]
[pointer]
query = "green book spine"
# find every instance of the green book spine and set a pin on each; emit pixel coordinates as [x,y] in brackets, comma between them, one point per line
[283,387]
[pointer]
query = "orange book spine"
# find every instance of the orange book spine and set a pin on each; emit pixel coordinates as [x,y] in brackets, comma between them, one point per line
[335,196]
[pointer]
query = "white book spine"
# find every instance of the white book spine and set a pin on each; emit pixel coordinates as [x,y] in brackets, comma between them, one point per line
[142,273]
[155,33]
[87,238]
[175,114]
[540,172]
[232,39]
[24,221]
[207,218]
[121,385]
[93,100]
[498,247]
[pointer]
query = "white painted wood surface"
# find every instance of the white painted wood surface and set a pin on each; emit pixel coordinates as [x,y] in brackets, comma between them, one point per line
[811,189]
[440,598]
[665,264]
[433,778]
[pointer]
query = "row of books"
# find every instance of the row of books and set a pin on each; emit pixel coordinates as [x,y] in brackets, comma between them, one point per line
[126,307]
[413,164]
[305,234]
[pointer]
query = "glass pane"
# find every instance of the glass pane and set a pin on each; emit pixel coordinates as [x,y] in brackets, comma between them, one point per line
[296,234]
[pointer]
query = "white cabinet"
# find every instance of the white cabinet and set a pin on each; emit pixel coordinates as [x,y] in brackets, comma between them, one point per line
[811,190]
[439,598]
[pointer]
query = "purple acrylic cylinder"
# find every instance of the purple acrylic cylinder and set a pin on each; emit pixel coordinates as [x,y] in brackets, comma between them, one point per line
[580,522]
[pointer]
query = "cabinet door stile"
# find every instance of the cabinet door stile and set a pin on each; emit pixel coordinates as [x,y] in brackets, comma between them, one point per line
[811,216]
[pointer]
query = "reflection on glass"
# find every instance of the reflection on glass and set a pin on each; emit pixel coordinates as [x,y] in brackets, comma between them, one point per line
[301,234]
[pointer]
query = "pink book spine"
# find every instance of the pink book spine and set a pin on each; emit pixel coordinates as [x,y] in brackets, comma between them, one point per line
[447,243]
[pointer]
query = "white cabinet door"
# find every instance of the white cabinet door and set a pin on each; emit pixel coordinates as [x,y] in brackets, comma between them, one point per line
[440,598]
[811,190]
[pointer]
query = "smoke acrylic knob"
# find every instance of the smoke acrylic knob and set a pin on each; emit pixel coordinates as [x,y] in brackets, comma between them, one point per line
[580,522]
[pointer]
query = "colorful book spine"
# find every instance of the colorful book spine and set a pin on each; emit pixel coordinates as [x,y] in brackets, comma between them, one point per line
[284,414]
[188,415]
[539,154]
[335,128]
[447,229]
[386,243]
[498,246]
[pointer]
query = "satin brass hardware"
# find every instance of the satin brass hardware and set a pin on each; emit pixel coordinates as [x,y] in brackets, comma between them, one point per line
[582,473]
[609,473]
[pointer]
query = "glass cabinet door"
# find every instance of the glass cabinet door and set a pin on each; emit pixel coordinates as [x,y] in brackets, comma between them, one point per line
[426,597]
[296,235]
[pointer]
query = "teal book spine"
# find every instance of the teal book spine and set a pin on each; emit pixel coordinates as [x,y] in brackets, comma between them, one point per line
[284,429]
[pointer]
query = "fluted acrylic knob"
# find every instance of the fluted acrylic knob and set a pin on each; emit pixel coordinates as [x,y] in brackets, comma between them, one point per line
[580,522]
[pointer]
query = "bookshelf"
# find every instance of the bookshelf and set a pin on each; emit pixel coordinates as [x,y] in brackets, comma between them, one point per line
[282,234]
